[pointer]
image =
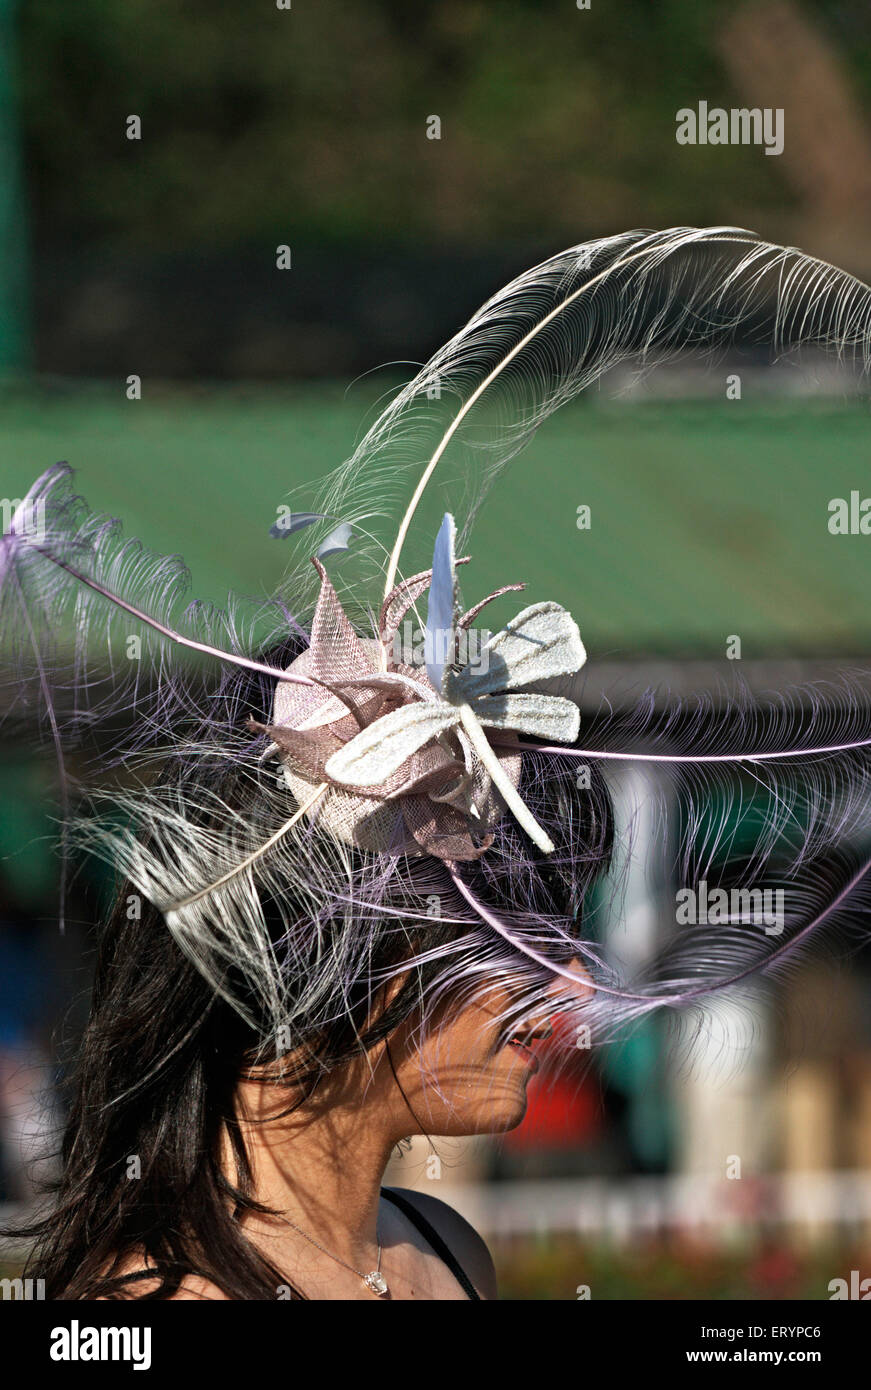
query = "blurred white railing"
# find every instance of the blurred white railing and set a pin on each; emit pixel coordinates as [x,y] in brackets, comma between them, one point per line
[621,1209]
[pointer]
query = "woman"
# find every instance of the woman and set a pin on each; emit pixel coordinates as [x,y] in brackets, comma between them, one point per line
[374,859]
[196,1167]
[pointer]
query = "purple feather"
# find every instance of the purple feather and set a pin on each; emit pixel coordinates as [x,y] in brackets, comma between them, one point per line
[441,608]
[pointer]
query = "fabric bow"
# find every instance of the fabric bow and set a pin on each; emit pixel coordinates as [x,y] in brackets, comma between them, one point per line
[391,728]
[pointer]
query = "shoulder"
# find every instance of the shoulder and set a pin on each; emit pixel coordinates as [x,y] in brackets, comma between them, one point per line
[195,1287]
[137,1271]
[461,1238]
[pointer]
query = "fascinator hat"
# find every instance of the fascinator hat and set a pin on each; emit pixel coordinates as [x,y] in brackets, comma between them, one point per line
[429,790]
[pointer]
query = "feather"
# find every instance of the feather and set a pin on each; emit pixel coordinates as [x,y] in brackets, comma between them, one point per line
[294,521]
[442,605]
[91,618]
[552,333]
[796,765]
[337,541]
[744,794]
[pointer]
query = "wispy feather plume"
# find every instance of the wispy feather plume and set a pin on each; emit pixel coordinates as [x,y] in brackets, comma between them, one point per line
[552,333]
[94,626]
[280,916]
[797,763]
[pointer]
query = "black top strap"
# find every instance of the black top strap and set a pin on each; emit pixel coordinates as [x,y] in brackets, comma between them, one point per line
[431,1235]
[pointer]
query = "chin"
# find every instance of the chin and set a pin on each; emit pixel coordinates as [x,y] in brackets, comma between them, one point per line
[489,1114]
[505,1119]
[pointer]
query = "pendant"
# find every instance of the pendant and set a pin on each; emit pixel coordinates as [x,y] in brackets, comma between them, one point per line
[376,1282]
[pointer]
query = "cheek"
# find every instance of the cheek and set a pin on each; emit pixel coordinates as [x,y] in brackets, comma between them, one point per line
[456,1083]
[492,1106]
[464,1046]
[460,1087]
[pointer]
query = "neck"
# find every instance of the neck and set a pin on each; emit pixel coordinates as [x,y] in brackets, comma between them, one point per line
[321,1166]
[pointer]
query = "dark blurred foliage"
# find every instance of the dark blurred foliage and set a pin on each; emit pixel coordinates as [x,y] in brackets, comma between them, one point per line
[308,127]
[769,1266]
[311,123]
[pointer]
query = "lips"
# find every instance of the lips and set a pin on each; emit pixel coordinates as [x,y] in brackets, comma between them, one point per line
[526,1052]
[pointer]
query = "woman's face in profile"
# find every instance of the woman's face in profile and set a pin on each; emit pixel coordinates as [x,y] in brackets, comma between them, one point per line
[471,1074]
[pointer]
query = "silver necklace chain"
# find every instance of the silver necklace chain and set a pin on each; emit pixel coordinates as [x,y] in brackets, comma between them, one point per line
[374,1280]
